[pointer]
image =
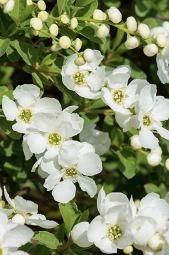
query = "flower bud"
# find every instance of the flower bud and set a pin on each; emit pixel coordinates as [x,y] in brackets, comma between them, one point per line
[156,243]
[19,219]
[161,40]
[73,23]
[35,32]
[43,15]
[167,164]
[166,25]
[55,47]
[135,142]
[36,23]
[64,42]
[29,2]
[132,42]
[79,234]
[77,44]
[128,249]
[41,5]
[114,15]
[103,31]
[64,19]
[99,15]
[9,6]
[131,24]
[88,55]
[79,61]
[158,150]
[150,50]
[144,30]
[54,29]
[153,159]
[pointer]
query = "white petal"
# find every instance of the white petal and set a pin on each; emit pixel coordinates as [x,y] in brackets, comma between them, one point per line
[147,97]
[8,199]
[64,191]
[40,220]
[48,105]
[9,108]
[44,122]
[106,246]
[160,111]
[148,139]
[163,132]
[89,164]
[79,234]
[52,180]
[21,127]
[96,79]
[100,201]
[28,154]
[36,143]
[22,205]
[97,230]
[88,185]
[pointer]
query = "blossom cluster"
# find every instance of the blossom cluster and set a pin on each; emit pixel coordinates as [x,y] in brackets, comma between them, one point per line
[47,132]
[135,103]
[122,224]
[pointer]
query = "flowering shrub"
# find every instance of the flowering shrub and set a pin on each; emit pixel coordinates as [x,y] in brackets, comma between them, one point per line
[84,127]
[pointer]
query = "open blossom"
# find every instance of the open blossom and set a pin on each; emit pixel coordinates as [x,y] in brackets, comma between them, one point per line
[23,211]
[27,105]
[13,236]
[99,139]
[86,79]
[51,132]
[153,110]
[76,162]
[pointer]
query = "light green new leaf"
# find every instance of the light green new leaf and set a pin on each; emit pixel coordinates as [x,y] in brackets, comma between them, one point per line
[4,44]
[47,239]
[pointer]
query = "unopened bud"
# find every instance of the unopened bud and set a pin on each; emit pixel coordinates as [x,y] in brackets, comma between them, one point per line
[132,42]
[161,40]
[114,15]
[144,30]
[73,23]
[77,43]
[41,5]
[54,29]
[131,24]
[99,15]
[36,23]
[150,50]
[153,159]
[64,19]
[88,55]
[135,142]
[167,164]
[64,42]
[103,31]
[128,249]
[43,15]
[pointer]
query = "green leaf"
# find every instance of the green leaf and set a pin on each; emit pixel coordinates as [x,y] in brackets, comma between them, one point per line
[47,239]
[21,11]
[4,91]
[61,4]
[87,8]
[70,214]
[117,137]
[4,44]
[118,39]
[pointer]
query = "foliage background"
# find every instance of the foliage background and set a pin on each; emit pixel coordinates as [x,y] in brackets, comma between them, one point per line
[25,58]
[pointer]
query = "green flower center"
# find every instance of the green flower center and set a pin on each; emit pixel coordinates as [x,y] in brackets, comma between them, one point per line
[54,139]
[115,232]
[118,96]
[146,121]
[71,172]
[79,78]
[26,115]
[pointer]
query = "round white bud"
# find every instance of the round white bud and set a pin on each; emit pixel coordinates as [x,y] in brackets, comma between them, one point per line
[167,164]
[156,242]
[64,42]
[161,40]
[103,31]
[135,142]
[166,25]
[36,23]
[99,15]
[158,150]
[144,30]
[55,47]
[41,5]
[132,42]
[79,61]
[128,249]
[153,159]
[3,1]
[29,2]
[150,50]
[114,15]
[77,43]
[43,15]
[88,55]
[9,6]
[19,219]
[73,23]
[131,24]
[79,234]
[54,30]
[64,19]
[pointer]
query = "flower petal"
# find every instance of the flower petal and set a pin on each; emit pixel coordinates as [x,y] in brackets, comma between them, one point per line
[64,191]
[9,108]
[88,185]
[79,234]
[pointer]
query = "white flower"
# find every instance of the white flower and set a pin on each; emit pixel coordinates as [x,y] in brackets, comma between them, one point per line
[86,79]
[13,236]
[49,133]
[79,234]
[28,105]
[23,211]
[111,232]
[77,161]
[8,5]
[100,140]
[163,65]
[152,111]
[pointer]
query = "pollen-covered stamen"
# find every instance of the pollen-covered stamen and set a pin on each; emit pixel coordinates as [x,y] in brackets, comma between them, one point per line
[54,139]
[118,96]
[1,251]
[26,115]
[79,78]
[147,120]
[71,172]
[114,232]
